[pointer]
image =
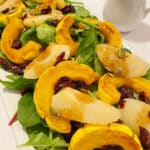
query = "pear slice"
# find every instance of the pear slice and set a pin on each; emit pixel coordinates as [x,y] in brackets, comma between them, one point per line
[125,64]
[136,113]
[75,105]
[92,137]
[46,59]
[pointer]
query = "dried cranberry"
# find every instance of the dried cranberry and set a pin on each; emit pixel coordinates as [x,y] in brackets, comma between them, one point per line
[119,121]
[144,98]
[126,92]
[46,10]
[13,119]
[5,10]
[60,58]
[4,64]
[144,137]
[68,9]
[42,48]
[16,44]
[63,82]
[54,22]
[121,103]
[24,91]
[18,69]
[110,147]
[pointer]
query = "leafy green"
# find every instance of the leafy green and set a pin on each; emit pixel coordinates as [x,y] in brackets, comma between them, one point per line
[2,26]
[30,3]
[82,12]
[98,67]
[42,34]
[73,2]
[86,53]
[42,141]
[92,90]
[46,33]
[2,56]
[79,19]
[42,127]
[76,34]
[28,34]
[27,114]
[16,82]
[147,76]
[127,50]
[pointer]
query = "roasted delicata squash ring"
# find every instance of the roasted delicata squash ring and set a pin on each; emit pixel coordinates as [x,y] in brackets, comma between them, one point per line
[60,4]
[7,4]
[48,81]
[23,54]
[46,3]
[19,10]
[140,84]
[17,13]
[3,18]
[63,35]
[107,87]
[97,136]
[111,33]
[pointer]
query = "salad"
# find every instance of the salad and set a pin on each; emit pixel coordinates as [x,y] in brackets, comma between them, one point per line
[80,88]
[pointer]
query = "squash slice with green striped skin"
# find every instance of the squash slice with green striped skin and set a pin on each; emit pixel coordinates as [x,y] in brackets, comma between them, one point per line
[97,136]
[45,89]
[23,54]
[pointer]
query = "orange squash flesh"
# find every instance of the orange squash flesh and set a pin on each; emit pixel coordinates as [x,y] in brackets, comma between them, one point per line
[45,89]
[63,35]
[97,136]
[12,32]
[111,33]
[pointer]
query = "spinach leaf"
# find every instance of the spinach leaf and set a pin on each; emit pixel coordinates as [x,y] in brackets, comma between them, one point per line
[46,33]
[2,26]
[28,34]
[82,12]
[42,127]
[27,114]
[42,141]
[86,53]
[18,82]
